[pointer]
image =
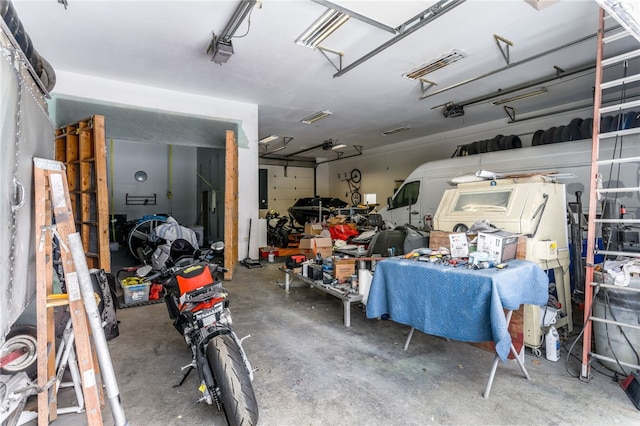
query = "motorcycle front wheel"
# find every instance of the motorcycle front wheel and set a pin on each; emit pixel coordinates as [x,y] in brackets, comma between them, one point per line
[236,393]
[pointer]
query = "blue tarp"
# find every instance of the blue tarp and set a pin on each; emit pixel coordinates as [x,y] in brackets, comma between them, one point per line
[457,303]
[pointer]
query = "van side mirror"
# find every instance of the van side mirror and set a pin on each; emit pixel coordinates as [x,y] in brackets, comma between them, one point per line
[390,202]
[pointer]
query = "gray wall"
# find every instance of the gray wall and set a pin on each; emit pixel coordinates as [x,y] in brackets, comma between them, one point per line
[127,157]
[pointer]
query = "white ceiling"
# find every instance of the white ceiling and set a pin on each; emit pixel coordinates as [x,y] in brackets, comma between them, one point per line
[163,43]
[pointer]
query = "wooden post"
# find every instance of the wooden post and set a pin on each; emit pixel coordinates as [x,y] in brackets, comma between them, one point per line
[231,206]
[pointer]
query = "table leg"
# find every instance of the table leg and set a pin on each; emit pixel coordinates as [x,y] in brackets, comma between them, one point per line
[522,367]
[406,343]
[494,366]
[347,313]
[496,359]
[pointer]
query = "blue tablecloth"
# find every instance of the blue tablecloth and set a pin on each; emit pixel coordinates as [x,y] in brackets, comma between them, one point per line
[458,303]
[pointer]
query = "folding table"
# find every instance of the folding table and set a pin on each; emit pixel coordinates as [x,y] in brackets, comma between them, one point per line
[456,302]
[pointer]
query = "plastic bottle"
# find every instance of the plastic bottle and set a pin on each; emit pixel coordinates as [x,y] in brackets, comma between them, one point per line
[552,342]
[271,256]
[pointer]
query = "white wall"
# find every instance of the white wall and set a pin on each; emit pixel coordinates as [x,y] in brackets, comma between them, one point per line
[381,167]
[245,114]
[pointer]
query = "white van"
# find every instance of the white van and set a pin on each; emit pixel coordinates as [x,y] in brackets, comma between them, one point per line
[421,192]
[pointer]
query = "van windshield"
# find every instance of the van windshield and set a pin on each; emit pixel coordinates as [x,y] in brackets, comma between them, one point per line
[407,195]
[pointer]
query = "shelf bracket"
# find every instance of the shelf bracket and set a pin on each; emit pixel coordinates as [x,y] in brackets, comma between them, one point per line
[335,52]
[504,48]
[511,112]
[425,85]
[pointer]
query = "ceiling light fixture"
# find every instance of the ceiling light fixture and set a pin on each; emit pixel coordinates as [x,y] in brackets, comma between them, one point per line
[316,116]
[396,130]
[268,139]
[285,142]
[280,148]
[221,44]
[540,91]
[322,28]
[339,146]
[434,65]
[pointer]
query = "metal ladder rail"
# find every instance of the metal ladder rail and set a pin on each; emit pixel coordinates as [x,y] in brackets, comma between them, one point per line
[598,111]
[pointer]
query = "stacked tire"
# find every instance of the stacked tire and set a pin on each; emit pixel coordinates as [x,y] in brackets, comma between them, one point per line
[580,128]
[497,143]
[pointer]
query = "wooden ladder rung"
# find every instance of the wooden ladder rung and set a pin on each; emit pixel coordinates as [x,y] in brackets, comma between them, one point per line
[54,300]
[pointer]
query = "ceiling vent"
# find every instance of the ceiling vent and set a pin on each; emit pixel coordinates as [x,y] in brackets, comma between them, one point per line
[396,130]
[443,61]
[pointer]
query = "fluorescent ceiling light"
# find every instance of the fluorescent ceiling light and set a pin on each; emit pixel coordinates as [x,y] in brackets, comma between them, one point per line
[540,91]
[268,139]
[436,64]
[315,117]
[338,146]
[280,148]
[322,28]
[396,130]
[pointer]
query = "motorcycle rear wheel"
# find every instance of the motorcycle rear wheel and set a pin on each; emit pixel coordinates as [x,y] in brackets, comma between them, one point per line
[284,239]
[236,393]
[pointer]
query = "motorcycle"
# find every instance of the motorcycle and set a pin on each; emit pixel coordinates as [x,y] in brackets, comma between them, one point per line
[277,230]
[197,303]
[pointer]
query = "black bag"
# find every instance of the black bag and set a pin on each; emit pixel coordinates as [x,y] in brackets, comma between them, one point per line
[295,261]
[103,286]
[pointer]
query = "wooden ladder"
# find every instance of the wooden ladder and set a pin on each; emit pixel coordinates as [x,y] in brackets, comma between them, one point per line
[52,201]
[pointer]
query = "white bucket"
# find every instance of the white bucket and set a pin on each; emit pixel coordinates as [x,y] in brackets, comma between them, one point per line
[364,283]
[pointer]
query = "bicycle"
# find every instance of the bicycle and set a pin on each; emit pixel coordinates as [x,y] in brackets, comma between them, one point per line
[354,188]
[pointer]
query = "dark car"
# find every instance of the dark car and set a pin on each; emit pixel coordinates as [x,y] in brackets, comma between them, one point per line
[313,209]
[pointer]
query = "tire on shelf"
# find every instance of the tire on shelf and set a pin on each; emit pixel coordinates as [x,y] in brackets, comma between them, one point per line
[586,128]
[557,134]
[605,124]
[537,138]
[574,129]
[548,135]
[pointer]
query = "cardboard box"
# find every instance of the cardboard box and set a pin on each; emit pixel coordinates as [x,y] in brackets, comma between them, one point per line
[310,247]
[500,245]
[306,246]
[343,269]
[312,228]
[324,246]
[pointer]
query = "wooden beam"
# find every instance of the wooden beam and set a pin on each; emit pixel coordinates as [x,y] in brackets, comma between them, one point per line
[231,206]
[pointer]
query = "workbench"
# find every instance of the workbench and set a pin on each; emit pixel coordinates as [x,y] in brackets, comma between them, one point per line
[347,297]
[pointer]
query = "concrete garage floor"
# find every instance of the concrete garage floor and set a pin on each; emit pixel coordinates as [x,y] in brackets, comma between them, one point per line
[312,370]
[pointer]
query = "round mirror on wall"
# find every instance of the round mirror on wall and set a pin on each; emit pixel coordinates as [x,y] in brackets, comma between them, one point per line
[140,176]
